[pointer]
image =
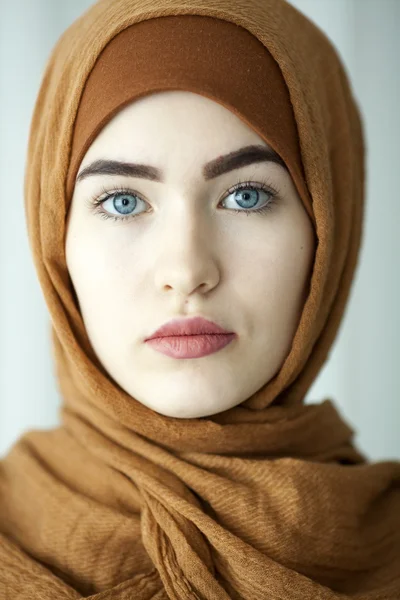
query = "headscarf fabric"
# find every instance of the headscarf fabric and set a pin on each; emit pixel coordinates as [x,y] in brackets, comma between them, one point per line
[269,499]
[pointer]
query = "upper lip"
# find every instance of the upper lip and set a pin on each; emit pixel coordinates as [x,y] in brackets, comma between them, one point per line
[192,326]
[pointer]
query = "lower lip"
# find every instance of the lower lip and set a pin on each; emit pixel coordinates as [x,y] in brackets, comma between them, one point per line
[191,346]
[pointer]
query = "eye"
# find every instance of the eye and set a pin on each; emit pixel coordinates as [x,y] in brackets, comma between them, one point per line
[123,202]
[247,195]
[120,204]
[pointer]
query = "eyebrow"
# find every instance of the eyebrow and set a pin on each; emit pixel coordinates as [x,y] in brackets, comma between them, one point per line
[218,166]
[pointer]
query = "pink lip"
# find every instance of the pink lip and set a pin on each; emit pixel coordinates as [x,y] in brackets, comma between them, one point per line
[189,338]
[191,346]
[193,326]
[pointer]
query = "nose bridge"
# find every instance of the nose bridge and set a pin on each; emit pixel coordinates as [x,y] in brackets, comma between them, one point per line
[185,220]
[187,253]
[187,235]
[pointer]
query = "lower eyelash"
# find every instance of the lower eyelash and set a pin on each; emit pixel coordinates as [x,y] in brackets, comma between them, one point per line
[96,202]
[263,209]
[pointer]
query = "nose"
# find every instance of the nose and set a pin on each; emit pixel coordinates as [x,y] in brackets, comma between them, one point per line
[187,260]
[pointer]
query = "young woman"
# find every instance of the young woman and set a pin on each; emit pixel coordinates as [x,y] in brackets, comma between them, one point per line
[194,194]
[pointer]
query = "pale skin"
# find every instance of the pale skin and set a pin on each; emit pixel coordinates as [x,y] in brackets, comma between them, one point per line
[182,251]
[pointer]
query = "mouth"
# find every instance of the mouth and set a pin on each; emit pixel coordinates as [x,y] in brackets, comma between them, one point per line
[191,346]
[184,326]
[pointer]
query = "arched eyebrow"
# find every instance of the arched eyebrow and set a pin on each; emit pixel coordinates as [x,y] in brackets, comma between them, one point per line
[214,168]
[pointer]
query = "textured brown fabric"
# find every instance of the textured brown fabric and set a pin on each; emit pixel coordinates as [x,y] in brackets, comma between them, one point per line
[267,500]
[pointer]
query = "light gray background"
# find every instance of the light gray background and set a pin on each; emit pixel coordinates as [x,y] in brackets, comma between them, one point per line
[362,373]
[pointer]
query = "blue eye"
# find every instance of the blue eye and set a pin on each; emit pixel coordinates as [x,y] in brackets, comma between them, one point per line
[247,195]
[124,200]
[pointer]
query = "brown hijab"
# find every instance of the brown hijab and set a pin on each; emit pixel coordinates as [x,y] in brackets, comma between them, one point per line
[269,499]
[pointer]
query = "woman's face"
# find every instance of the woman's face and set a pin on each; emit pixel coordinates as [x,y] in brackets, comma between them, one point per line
[175,247]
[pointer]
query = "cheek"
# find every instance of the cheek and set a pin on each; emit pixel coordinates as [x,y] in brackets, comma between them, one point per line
[102,272]
[276,264]
[292,269]
[279,275]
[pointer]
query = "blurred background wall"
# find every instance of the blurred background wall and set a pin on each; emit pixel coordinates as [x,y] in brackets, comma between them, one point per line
[362,372]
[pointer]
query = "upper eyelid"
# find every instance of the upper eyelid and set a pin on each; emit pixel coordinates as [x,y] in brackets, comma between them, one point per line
[254,179]
[104,197]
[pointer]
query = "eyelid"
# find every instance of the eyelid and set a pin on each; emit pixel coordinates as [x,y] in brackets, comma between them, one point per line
[95,202]
[107,193]
[255,178]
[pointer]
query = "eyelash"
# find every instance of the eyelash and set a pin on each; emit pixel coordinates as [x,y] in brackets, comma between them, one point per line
[95,203]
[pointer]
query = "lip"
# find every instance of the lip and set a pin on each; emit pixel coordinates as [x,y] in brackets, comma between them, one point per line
[191,346]
[190,338]
[185,327]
